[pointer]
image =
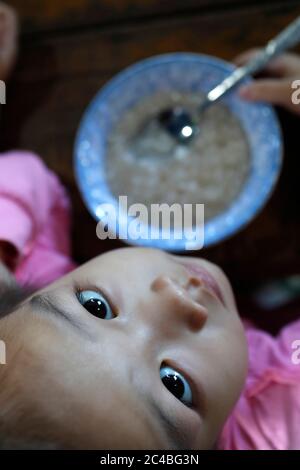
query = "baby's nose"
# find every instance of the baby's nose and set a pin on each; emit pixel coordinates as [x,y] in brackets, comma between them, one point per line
[180,304]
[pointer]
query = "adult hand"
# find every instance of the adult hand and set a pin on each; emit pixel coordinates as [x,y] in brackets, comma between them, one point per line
[280,85]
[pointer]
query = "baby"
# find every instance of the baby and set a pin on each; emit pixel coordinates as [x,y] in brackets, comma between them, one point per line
[136,349]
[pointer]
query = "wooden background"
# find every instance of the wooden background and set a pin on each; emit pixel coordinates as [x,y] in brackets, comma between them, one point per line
[70,48]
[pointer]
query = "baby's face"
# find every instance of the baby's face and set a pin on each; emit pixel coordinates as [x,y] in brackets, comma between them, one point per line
[135,349]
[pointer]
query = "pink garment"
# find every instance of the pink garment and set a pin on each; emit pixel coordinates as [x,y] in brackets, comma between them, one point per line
[267,415]
[34,217]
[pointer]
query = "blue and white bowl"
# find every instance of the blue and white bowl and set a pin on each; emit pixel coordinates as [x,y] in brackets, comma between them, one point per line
[183,72]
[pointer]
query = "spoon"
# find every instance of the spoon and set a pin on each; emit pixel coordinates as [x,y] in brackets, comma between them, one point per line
[178,121]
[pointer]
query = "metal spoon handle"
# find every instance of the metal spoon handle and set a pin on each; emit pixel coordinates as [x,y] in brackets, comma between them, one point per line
[287,39]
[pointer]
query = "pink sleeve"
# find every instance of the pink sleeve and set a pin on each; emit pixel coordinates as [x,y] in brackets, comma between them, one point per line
[267,415]
[29,195]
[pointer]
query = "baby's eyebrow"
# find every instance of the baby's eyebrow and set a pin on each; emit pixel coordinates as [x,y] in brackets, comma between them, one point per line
[46,304]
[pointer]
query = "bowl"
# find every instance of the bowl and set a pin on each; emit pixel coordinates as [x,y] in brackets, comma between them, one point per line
[181,72]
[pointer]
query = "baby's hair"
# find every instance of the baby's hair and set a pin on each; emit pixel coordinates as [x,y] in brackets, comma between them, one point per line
[11,293]
[11,296]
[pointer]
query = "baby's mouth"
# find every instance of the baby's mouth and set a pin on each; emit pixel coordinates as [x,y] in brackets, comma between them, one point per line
[208,280]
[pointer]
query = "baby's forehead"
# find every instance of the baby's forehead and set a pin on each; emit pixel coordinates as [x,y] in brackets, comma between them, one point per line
[118,408]
[111,414]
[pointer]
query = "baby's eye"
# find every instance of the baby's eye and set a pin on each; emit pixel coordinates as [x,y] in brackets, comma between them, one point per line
[96,304]
[176,384]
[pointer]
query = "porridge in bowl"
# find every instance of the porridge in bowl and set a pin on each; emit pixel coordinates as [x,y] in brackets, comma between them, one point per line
[211,170]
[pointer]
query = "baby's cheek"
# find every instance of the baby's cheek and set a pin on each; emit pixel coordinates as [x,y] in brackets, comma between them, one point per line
[226,369]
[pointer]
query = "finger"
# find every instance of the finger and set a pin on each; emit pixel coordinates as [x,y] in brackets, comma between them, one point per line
[8,31]
[273,91]
[286,65]
[276,92]
[243,58]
